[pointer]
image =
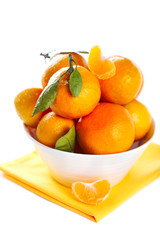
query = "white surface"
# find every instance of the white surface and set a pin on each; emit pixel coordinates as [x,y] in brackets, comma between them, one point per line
[128,28]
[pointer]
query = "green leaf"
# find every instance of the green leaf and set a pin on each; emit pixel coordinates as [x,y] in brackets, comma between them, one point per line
[47,97]
[67,142]
[75,83]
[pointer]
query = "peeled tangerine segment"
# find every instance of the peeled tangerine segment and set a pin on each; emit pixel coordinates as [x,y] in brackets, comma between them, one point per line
[102,67]
[91,193]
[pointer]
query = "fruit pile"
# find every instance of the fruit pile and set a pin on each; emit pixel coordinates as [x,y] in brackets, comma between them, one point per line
[86,107]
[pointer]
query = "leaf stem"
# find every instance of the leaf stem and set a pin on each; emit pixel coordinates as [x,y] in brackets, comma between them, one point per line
[71,69]
[64,73]
[74,62]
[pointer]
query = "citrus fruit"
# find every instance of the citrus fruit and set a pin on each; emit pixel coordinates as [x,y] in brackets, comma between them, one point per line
[141,117]
[25,102]
[51,127]
[59,61]
[91,193]
[108,128]
[123,87]
[102,67]
[71,107]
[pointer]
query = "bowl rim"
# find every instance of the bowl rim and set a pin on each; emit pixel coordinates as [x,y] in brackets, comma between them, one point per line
[86,154]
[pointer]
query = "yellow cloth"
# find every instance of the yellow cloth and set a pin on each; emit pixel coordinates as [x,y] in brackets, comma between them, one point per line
[31,173]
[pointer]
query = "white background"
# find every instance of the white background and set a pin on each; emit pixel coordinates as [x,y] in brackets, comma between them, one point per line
[127,28]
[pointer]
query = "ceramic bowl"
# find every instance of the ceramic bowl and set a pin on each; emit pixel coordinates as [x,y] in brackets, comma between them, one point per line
[67,168]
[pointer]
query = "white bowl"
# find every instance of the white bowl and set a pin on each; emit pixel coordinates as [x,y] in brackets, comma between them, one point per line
[67,168]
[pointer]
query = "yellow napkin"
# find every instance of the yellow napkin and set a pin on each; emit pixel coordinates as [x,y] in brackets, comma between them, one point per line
[31,173]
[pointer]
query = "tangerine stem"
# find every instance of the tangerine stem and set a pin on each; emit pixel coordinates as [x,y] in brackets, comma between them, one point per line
[71,69]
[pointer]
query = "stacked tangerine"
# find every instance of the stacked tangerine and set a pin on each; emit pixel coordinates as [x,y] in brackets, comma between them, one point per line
[104,114]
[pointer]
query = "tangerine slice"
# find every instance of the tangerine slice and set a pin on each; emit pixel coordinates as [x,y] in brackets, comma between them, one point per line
[102,67]
[91,193]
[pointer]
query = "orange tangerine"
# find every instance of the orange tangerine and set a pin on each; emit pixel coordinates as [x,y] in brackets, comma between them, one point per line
[125,85]
[71,107]
[51,127]
[25,102]
[60,61]
[141,117]
[109,128]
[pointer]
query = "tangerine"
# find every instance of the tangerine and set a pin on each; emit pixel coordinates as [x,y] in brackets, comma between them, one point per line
[141,117]
[25,102]
[51,127]
[124,86]
[71,107]
[60,61]
[109,128]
